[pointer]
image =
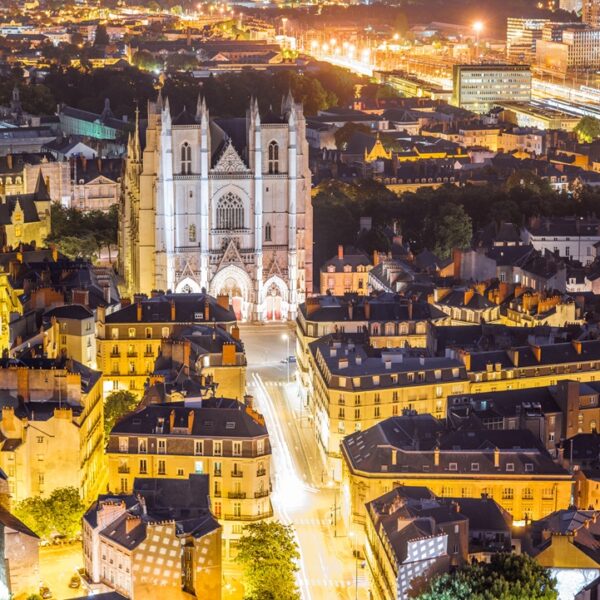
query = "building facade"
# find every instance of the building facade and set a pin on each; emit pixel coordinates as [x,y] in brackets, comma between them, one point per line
[221,205]
[222,438]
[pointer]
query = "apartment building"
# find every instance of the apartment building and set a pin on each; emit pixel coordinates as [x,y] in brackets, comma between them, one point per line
[411,533]
[578,49]
[52,427]
[129,340]
[160,539]
[590,13]
[355,386]
[521,37]
[389,320]
[219,437]
[346,272]
[510,467]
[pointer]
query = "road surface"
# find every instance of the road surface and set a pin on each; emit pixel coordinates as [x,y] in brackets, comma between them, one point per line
[302,493]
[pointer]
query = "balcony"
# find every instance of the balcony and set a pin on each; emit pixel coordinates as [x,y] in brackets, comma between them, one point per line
[115,354]
[217,494]
[261,472]
[217,473]
[132,354]
[124,469]
[262,494]
[259,517]
[148,354]
[237,495]
[237,473]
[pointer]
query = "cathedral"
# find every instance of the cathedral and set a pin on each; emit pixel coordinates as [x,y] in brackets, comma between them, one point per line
[220,205]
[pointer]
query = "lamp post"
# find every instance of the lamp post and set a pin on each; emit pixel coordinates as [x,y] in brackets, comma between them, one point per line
[478,28]
[286,337]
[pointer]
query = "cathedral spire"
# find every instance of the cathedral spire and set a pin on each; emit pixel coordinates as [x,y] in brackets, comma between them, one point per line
[136,135]
[204,117]
[199,107]
[159,101]
[287,102]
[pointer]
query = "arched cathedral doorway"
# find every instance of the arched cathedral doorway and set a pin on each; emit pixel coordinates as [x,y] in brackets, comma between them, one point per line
[275,299]
[234,282]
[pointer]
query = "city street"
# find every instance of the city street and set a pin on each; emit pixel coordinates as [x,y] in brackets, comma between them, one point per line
[57,565]
[302,493]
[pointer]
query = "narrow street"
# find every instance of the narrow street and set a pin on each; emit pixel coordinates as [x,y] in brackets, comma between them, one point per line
[302,492]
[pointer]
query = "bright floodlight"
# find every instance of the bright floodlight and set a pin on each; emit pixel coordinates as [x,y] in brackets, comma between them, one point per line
[284,336]
[478,26]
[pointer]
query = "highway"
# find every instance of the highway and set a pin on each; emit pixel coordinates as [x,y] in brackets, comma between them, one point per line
[302,493]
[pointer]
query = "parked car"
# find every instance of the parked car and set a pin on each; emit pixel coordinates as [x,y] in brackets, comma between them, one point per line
[75,582]
[45,592]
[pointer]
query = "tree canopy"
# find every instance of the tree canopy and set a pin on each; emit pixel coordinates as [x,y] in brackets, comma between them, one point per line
[80,234]
[58,514]
[506,577]
[116,405]
[588,129]
[268,553]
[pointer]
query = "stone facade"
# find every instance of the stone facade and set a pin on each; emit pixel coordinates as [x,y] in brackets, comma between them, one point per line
[221,205]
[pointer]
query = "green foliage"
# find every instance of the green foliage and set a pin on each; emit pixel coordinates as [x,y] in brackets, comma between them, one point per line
[267,553]
[116,405]
[452,229]
[58,514]
[588,129]
[146,61]
[506,577]
[79,234]
[34,597]
[182,62]
[344,134]
[101,38]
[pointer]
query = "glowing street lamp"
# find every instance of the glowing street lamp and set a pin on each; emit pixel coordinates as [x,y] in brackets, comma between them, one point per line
[286,337]
[477,28]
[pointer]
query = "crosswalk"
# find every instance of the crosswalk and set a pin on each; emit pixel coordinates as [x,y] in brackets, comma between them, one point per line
[252,384]
[337,583]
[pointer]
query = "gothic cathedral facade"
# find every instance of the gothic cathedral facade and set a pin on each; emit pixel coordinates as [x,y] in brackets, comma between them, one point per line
[222,206]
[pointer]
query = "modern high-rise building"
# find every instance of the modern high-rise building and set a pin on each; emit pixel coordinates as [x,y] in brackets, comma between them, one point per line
[221,205]
[590,12]
[479,87]
[578,49]
[521,37]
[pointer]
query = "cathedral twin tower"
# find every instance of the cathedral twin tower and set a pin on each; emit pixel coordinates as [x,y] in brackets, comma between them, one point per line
[221,205]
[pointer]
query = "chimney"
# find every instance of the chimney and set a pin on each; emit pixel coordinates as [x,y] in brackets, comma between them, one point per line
[228,354]
[367,310]
[9,161]
[312,305]
[537,352]
[206,310]
[375,258]
[341,252]
[497,458]
[436,456]
[8,418]
[468,296]
[466,358]
[388,364]
[514,356]
[106,293]
[249,401]
[131,523]
[190,426]
[410,309]
[171,420]
[235,332]
[81,297]
[172,303]
[577,346]
[54,253]
[394,456]
[350,310]
[23,383]
[138,311]
[223,301]
[343,363]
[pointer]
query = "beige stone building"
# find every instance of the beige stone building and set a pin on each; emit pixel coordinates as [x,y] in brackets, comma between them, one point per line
[347,272]
[52,427]
[222,438]
[129,340]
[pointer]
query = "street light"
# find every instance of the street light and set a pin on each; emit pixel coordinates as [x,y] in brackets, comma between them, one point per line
[477,28]
[286,337]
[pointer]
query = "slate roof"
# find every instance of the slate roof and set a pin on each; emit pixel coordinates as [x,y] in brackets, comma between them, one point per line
[351,257]
[187,306]
[70,311]
[216,417]
[415,437]
[9,520]
[564,227]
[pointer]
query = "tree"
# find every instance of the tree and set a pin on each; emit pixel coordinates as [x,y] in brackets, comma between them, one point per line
[116,405]
[101,38]
[59,514]
[588,129]
[452,229]
[268,553]
[506,577]
[344,134]
[146,60]
[66,508]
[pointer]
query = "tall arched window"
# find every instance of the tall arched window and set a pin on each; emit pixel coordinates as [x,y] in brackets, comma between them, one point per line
[192,233]
[230,212]
[273,157]
[268,232]
[186,159]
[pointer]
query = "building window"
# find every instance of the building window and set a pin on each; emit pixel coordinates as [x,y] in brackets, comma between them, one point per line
[199,467]
[237,448]
[142,446]
[123,444]
[268,232]
[260,447]
[273,157]
[198,448]
[192,233]
[165,332]
[162,468]
[162,446]
[143,467]
[131,332]
[218,448]
[148,333]
[186,159]
[230,212]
